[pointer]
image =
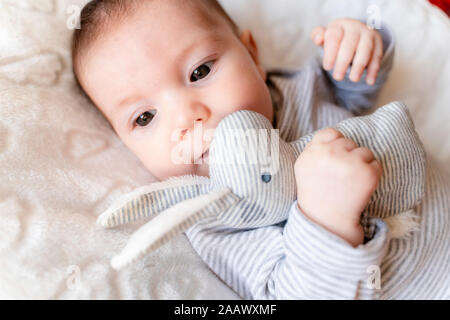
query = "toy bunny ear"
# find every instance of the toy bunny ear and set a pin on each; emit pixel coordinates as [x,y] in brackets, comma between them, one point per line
[390,134]
[172,222]
[152,199]
[299,145]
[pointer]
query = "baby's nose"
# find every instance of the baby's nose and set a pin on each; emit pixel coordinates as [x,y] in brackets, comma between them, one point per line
[197,124]
[187,118]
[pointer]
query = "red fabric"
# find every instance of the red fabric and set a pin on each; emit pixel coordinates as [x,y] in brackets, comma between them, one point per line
[443,4]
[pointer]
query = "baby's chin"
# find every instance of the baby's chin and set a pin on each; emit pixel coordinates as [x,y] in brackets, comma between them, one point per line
[201,166]
[202,169]
[199,169]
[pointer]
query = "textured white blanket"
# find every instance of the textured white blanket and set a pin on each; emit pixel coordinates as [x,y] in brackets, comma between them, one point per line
[61,165]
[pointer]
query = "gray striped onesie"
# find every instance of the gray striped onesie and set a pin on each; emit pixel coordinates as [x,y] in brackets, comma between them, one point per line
[274,262]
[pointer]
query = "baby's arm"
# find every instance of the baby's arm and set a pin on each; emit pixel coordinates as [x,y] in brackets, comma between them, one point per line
[335,180]
[318,255]
[297,260]
[370,53]
[320,252]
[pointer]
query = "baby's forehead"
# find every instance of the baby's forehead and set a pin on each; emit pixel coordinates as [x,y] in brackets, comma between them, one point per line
[167,28]
[200,12]
[121,53]
[155,24]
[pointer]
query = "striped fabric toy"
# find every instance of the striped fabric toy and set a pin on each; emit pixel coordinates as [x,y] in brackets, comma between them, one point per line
[252,181]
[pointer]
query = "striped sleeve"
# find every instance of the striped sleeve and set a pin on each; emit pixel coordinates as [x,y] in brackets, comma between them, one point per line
[293,260]
[328,267]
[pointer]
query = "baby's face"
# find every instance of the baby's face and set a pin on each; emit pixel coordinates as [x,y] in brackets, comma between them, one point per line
[161,73]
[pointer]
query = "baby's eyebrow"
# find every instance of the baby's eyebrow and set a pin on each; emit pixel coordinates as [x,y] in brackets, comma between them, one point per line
[128,100]
[211,37]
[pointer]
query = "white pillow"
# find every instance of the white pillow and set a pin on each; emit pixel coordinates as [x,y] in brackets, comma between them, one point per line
[61,165]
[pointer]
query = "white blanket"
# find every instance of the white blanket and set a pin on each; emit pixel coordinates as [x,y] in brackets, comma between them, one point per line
[61,165]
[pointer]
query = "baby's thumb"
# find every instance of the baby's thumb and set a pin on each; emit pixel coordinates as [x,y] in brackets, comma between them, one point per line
[317,35]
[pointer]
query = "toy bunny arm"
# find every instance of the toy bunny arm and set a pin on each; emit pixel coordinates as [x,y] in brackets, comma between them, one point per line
[299,260]
[151,199]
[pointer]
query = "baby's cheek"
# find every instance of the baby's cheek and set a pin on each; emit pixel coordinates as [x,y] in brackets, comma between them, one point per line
[164,168]
[248,93]
[149,155]
[257,98]
[169,162]
[253,91]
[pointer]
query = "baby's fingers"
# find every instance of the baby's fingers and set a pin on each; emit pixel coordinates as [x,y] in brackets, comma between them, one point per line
[364,154]
[368,157]
[317,35]
[345,55]
[362,56]
[375,62]
[326,135]
[378,168]
[333,37]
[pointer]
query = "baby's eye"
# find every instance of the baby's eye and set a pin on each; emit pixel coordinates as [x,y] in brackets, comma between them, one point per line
[201,71]
[145,118]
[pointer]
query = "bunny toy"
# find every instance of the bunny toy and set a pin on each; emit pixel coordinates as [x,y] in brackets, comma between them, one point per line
[252,183]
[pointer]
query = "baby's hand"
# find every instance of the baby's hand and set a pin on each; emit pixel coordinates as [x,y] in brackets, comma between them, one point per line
[348,41]
[335,180]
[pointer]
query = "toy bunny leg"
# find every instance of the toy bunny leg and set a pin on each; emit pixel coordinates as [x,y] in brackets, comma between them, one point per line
[173,221]
[149,200]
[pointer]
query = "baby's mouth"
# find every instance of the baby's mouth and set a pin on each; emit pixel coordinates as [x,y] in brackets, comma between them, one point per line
[201,159]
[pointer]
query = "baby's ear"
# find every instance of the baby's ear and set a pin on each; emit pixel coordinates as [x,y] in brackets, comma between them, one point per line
[149,200]
[249,42]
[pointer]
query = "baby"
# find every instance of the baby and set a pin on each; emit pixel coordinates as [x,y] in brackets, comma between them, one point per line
[157,69]
[153,91]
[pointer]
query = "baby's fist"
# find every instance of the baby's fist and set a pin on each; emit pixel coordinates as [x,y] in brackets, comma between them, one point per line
[335,180]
